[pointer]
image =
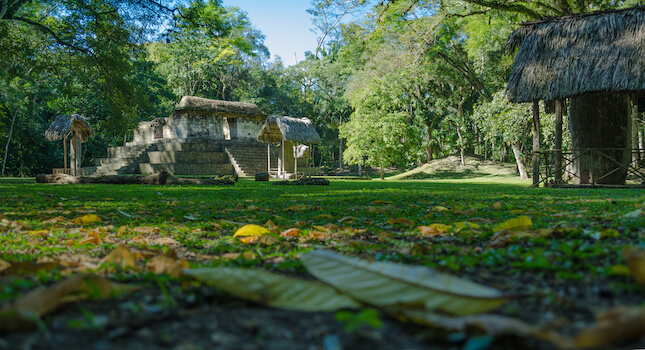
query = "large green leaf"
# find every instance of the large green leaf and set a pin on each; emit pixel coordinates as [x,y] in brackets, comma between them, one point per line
[273,289]
[389,284]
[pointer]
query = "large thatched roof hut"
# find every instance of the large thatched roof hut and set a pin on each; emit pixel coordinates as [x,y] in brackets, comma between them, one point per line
[276,129]
[64,126]
[597,62]
[288,132]
[567,56]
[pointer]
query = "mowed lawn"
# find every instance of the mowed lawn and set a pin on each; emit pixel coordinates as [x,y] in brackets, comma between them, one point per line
[561,250]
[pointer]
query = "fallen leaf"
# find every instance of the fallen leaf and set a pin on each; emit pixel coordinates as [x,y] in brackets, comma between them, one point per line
[466,225]
[4,265]
[297,207]
[518,223]
[493,325]
[250,230]
[388,284]
[292,232]
[92,237]
[274,290]
[400,221]
[87,219]
[346,218]
[55,220]
[23,313]
[378,201]
[249,239]
[609,232]
[635,258]
[272,227]
[433,230]
[505,236]
[164,241]
[619,324]
[163,264]
[634,214]
[319,235]
[21,268]
[122,256]
[269,240]
[146,230]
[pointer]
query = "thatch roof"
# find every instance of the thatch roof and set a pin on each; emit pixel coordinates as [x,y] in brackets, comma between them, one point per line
[63,124]
[205,104]
[292,129]
[572,55]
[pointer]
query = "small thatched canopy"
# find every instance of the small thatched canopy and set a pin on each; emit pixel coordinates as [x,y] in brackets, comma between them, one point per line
[291,129]
[66,123]
[205,104]
[572,55]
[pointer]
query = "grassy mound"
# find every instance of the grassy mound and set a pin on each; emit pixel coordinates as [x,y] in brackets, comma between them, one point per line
[451,168]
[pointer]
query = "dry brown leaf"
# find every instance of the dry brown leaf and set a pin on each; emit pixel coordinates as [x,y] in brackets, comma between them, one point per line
[621,323]
[230,256]
[4,265]
[635,258]
[378,201]
[249,239]
[331,227]
[92,237]
[55,220]
[163,264]
[269,240]
[122,256]
[376,210]
[324,216]
[505,236]
[146,230]
[297,207]
[24,312]
[272,227]
[163,241]
[400,221]
[16,268]
[292,232]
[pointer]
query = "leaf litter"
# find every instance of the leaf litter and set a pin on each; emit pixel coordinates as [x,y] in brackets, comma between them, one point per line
[442,241]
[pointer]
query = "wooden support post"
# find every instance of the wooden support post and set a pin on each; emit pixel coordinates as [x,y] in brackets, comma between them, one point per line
[558,141]
[282,162]
[536,143]
[65,154]
[269,158]
[634,128]
[295,160]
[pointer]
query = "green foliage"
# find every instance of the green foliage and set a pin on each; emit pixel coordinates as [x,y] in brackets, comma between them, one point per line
[354,321]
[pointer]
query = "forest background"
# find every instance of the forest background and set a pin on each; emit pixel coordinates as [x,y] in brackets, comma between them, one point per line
[409,81]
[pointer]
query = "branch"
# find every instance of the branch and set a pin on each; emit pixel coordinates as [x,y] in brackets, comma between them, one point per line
[58,39]
[514,7]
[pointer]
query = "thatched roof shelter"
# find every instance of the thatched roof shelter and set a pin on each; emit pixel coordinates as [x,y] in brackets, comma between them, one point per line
[205,104]
[63,124]
[276,128]
[572,55]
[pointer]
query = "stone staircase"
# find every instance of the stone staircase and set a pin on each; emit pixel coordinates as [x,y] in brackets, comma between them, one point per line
[250,158]
[186,157]
[190,157]
[122,160]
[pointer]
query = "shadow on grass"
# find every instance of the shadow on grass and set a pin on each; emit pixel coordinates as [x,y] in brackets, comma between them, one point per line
[17,180]
[447,174]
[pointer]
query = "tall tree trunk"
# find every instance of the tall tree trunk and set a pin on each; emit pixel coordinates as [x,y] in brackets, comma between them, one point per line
[429,125]
[6,147]
[600,120]
[340,154]
[518,160]
[381,172]
[461,145]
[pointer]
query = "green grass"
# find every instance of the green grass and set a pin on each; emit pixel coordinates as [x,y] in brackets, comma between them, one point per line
[203,219]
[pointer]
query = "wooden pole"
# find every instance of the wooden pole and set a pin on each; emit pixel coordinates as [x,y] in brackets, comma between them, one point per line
[558,141]
[282,162]
[65,154]
[269,158]
[295,160]
[536,143]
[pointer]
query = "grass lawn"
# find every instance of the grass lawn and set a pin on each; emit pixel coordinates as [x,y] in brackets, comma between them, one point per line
[559,269]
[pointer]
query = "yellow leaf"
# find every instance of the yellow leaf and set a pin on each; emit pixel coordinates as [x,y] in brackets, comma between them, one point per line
[251,230]
[321,228]
[609,232]
[378,201]
[518,223]
[297,207]
[87,219]
[505,236]
[4,265]
[440,208]
[635,258]
[433,230]
[620,270]
[319,235]
[42,233]
[55,220]
[92,237]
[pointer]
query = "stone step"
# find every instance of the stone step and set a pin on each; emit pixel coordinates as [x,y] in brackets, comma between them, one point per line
[193,147]
[161,157]
[187,169]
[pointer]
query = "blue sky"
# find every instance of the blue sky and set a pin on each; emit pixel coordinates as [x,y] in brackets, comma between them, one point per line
[285,23]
